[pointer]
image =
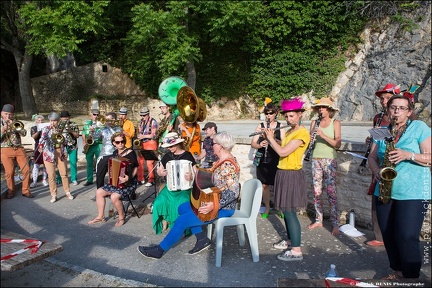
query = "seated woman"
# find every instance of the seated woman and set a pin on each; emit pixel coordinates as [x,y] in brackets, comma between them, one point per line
[165,206]
[226,174]
[118,139]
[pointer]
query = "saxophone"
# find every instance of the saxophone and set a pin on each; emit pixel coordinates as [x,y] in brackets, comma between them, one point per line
[161,129]
[388,172]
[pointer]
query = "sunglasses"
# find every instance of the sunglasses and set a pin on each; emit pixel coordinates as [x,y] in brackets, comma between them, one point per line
[118,142]
[95,114]
[269,113]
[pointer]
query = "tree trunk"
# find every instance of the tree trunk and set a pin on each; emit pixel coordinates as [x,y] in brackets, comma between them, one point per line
[24,64]
[191,75]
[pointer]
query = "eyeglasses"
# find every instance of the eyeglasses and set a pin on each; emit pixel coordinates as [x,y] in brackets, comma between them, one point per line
[269,113]
[118,142]
[395,108]
[216,144]
[95,114]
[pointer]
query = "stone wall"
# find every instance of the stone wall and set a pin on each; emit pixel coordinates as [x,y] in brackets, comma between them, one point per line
[388,54]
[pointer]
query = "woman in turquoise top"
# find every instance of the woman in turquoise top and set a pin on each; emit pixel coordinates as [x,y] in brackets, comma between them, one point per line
[324,164]
[401,219]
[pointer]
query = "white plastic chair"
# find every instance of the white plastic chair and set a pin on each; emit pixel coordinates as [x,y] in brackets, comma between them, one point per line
[251,194]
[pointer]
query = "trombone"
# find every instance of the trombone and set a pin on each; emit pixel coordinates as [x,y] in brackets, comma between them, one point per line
[15,126]
[57,137]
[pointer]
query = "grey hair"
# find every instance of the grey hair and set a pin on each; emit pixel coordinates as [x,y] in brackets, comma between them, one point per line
[53,116]
[225,140]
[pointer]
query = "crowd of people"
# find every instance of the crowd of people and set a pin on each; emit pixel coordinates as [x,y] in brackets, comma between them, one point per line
[172,150]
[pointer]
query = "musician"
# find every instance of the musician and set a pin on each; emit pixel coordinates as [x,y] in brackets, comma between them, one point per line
[71,134]
[191,132]
[12,150]
[103,135]
[169,123]
[290,181]
[207,152]
[118,140]
[147,135]
[226,176]
[94,149]
[401,219]
[324,163]
[267,167]
[165,206]
[382,120]
[54,153]
[35,132]
[128,126]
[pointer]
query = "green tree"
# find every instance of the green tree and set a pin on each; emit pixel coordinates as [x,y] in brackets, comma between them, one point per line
[45,27]
[171,37]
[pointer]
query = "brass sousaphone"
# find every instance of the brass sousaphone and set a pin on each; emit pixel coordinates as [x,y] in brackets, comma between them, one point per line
[191,108]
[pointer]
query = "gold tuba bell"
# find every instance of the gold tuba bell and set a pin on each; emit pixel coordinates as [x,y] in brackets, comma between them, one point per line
[191,108]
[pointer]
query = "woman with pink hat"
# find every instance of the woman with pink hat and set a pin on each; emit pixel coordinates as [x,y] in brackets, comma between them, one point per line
[290,180]
[324,164]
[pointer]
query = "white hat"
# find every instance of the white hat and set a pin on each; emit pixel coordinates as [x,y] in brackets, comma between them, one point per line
[144,111]
[123,110]
[171,139]
[162,104]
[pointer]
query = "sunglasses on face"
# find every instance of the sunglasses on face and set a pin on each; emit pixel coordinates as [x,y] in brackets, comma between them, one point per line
[118,142]
[95,114]
[269,113]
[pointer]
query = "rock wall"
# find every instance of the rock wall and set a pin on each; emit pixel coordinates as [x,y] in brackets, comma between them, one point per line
[388,54]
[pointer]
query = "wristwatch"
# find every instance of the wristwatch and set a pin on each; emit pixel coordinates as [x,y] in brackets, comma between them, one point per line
[412,156]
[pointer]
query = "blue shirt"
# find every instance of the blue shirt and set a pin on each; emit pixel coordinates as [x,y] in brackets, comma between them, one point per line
[413,181]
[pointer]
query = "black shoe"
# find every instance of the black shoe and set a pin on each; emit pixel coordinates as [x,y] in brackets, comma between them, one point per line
[28,195]
[8,196]
[87,184]
[150,252]
[200,246]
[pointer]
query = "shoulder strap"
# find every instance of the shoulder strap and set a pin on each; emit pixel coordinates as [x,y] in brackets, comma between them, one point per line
[237,168]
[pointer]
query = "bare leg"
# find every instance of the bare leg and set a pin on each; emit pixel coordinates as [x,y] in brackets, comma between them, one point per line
[118,205]
[266,198]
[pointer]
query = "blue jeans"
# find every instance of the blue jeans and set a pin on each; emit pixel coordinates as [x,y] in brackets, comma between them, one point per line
[187,219]
[400,222]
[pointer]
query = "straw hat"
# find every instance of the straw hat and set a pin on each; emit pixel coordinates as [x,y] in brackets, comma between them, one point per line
[325,102]
[171,139]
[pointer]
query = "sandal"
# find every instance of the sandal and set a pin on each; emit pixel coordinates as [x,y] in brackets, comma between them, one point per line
[96,220]
[119,222]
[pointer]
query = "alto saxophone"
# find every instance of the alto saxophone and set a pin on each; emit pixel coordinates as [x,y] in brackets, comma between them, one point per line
[388,172]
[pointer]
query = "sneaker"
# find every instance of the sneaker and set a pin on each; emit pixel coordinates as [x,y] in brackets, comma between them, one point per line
[200,247]
[141,182]
[75,183]
[33,184]
[45,183]
[53,199]
[288,256]
[148,184]
[69,196]
[282,245]
[150,252]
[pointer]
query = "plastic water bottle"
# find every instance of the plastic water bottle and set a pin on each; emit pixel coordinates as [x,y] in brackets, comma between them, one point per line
[332,271]
[111,210]
[352,218]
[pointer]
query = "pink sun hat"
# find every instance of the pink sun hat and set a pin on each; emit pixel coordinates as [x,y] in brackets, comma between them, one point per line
[293,104]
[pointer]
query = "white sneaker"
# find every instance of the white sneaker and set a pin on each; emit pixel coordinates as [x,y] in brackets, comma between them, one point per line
[33,184]
[69,196]
[53,199]
[45,183]
[75,183]
[282,245]
[289,256]
[148,184]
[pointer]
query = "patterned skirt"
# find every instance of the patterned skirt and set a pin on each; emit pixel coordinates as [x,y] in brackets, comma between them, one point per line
[122,191]
[290,190]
